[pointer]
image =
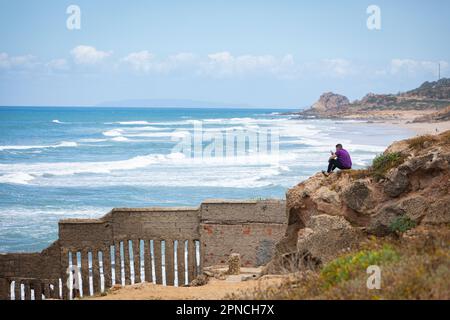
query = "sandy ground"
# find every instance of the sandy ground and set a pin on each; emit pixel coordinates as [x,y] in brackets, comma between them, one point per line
[213,290]
[424,128]
[404,119]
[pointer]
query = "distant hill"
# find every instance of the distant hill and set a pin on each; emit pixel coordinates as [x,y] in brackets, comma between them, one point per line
[432,90]
[429,96]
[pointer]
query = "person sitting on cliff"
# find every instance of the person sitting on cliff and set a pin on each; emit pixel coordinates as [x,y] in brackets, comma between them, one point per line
[339,159]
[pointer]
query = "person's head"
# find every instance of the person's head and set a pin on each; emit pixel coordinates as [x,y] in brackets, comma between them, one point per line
[338,146]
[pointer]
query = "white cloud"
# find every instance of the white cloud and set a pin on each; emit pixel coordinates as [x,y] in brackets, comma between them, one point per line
[57,64]
[415,67]
[4,60]
[140,61]
[88,55]
[338,67]
[25,61]
[333,67]
[182,57]
[217,65]
[144,61]
[224,64]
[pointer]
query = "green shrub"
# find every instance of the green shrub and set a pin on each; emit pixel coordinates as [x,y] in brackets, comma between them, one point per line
[402,224]
[347,266]
[384,162]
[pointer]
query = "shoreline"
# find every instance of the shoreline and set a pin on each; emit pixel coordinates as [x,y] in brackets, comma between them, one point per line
[401,118]
[422,128]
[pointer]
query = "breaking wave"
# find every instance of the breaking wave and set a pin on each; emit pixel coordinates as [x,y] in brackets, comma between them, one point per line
[63,144]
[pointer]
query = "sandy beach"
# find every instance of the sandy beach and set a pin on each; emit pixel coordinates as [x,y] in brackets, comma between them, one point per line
[404,119]
[424,127]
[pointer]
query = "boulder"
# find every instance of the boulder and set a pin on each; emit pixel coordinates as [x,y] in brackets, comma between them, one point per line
[358,196]
[380,222]
[414,207]
[397,182]
[327,201]
[438,212]
[328,236]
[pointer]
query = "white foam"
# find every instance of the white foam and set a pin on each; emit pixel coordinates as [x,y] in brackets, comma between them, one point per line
[47,170]
[132,122]
[146,128]
[93,140]
[66,144]
[120,139]
[59,122]
[60,145]
[113,133]
[16,178]
[175,134]
[70,168]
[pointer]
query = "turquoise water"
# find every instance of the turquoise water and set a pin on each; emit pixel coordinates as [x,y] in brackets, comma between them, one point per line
[80,162]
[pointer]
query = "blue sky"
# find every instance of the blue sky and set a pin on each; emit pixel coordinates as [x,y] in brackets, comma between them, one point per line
[258,53]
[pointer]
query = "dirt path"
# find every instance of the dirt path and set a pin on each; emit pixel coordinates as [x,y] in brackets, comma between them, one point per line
[214,289]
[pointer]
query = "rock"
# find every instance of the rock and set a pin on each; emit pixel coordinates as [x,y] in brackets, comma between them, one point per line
[328,196]
[116,287]
[330,101]
[330,236]
[414,207]
[201,280]
[397,147]
[418,162]
[397,182]
[209,273]
[304,234]
[327,201]
[380,222]
[358,196]
[439,212]
[249,277]
[220,276]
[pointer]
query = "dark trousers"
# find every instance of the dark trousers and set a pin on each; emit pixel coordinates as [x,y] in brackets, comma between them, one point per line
[333,164]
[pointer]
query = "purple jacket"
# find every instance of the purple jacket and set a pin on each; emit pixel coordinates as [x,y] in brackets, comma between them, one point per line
[344,158]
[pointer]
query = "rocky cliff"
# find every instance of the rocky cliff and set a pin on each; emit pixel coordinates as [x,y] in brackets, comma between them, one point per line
[330,102]
[429,96]
[407,186]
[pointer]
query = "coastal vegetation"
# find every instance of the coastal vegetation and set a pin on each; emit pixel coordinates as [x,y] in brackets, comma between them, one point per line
[415,266]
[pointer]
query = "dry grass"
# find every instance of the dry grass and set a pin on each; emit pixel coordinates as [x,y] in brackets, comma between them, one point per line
[421,142]
[412,268]
[445,137]
[358,174]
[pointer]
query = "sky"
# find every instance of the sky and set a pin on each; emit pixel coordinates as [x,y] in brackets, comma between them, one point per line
[279,54]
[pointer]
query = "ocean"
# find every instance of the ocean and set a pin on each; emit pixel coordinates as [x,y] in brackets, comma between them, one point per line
[66,162]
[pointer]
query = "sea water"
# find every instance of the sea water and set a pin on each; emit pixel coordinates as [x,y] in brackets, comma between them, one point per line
[65,162]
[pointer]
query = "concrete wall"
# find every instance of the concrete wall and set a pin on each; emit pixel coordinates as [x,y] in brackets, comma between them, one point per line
[151,235]
[250,228]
